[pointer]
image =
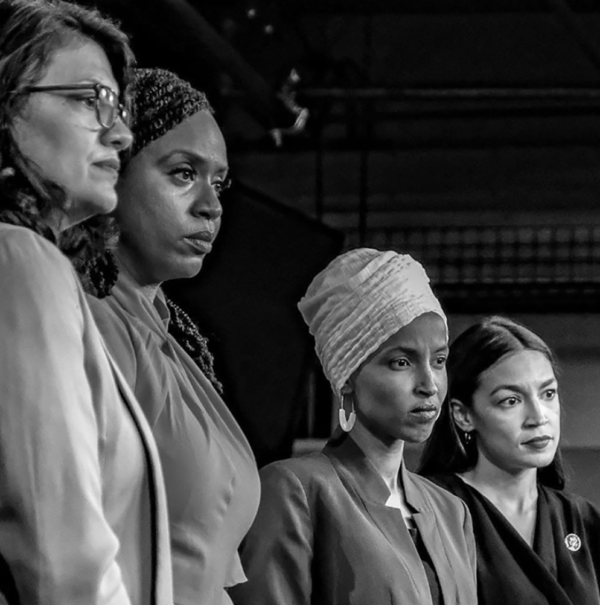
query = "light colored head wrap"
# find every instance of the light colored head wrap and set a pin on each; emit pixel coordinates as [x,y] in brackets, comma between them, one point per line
[361,299]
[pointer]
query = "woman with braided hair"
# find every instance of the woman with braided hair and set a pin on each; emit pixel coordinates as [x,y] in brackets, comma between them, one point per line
[169,214]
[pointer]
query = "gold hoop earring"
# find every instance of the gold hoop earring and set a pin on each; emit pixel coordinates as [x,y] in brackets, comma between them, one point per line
[346,423]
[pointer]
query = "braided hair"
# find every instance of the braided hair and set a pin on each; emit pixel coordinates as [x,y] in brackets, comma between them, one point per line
[186,333]
[160,102]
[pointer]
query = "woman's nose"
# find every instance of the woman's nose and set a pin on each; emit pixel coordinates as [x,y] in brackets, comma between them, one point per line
[208,204]
[427,384]
[536,412]
[118,136]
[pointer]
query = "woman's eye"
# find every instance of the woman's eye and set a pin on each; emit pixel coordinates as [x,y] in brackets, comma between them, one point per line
[549,394]
[89,102]
[184,174]
[396,364]
[508,402]
[440,362]
[220,186]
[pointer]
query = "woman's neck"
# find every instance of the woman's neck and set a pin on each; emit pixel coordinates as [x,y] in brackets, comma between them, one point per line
[500,484]
[147,290]
[58,222]
[385,457]
[513,494]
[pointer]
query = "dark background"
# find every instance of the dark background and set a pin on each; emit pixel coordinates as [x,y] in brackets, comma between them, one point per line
[465,132]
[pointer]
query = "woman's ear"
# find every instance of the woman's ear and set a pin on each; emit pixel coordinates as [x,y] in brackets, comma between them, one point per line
[462,415]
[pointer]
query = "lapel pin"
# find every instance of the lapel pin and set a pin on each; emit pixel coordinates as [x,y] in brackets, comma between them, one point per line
[573,542]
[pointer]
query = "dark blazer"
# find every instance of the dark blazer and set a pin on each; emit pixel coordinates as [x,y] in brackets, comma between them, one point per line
[562,568]
[324,536]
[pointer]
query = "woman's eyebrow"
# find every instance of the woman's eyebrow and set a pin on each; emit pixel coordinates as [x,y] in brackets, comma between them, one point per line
[519,388]
[415,350]
[507,387]
[192,156]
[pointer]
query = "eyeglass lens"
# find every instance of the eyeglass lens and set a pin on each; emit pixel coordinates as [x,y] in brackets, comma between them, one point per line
[109,108]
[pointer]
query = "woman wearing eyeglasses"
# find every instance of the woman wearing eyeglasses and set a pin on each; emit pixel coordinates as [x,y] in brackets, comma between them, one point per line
[82,506]
[169,215]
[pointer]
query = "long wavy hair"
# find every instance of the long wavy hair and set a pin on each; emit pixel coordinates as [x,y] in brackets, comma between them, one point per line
[472,353]
[31,31]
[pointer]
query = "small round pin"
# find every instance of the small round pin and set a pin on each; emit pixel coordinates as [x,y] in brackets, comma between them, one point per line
[573,542]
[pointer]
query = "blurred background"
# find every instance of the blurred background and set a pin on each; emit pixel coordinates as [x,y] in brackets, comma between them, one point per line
[464,132]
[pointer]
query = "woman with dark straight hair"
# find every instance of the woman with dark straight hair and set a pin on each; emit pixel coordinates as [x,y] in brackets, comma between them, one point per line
[82,503]
[496,447]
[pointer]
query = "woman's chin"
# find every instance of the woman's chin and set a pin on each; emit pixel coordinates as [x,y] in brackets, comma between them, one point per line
[84,207]
[107,204]
[188,268]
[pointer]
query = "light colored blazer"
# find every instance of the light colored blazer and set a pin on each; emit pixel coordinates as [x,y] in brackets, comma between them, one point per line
[82,504]
[324,536]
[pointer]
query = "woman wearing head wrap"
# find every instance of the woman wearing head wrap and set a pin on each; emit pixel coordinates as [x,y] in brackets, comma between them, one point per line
[496,447]
[169,215]
[351,525]
[82,506]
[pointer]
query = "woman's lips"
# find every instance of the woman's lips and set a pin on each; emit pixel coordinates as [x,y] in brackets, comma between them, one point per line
[425,413]
[112,166]
[199,244]
[539,443]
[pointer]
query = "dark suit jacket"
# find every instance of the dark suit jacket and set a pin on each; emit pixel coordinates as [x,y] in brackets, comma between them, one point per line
[324,536]
[562,568]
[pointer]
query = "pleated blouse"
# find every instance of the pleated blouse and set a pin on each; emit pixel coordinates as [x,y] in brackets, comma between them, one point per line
[211,477]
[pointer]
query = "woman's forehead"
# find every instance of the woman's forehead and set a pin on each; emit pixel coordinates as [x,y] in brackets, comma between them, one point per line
[79,61]
[523,367]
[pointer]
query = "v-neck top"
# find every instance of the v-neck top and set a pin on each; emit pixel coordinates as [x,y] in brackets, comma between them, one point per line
[561,567]
[210,473]
[432,578]
[324,536]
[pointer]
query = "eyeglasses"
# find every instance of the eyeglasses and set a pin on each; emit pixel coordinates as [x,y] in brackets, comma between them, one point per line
[106,101]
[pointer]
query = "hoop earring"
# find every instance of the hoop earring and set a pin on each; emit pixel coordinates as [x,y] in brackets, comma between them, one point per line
[346,423]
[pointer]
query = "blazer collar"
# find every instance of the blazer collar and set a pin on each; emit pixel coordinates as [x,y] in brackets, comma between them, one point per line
[345,453]
[161,582]
[360,477]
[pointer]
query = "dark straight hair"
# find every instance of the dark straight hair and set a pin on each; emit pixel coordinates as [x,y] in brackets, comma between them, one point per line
[472,353]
